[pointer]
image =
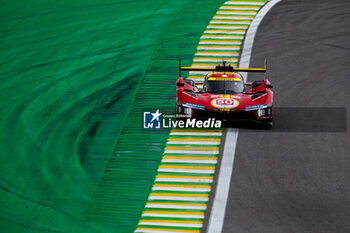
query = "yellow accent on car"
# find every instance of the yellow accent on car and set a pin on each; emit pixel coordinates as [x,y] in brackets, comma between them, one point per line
[223,79]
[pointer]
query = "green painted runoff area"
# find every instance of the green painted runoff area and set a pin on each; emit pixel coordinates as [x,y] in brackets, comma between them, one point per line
[75,77]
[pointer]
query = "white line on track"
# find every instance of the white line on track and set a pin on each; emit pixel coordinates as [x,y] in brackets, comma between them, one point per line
[249,40]
[216,220]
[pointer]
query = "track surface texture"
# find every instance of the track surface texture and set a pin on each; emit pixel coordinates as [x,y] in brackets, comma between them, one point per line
[297,181]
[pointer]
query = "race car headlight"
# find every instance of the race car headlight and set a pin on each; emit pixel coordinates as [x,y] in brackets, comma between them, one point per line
[264,112]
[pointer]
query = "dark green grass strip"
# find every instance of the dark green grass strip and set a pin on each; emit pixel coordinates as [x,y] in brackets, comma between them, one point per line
[124,187]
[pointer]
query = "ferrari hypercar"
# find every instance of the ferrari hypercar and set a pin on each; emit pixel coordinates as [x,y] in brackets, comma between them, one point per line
[225,95]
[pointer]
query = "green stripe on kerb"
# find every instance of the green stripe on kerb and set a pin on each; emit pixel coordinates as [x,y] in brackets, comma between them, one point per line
[137,154]
[183,142]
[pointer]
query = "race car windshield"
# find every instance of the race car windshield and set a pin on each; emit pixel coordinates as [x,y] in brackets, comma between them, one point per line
[222,87]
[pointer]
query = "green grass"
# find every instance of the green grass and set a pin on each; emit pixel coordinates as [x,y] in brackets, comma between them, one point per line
[69,71]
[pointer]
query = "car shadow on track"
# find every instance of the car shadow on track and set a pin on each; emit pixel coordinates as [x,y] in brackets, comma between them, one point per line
[298,120]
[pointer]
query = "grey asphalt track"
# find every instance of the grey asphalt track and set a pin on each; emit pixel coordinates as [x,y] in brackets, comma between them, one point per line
[297,180]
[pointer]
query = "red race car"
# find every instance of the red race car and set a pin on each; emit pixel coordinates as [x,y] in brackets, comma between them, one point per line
[225,95]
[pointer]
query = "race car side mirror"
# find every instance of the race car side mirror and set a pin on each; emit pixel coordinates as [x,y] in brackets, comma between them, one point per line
[180,84]
[268,86]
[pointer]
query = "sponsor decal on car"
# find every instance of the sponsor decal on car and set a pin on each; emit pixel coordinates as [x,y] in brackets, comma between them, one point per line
[194,105]
[224,103]
[223,79]
[215,96]
[253,107]
[235,96]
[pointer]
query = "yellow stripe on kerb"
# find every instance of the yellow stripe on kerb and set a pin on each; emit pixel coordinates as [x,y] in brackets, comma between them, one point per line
[156,230]
[240,7]
[233,11]
[232,31]
[184,177]
[238,16]
[218,47]
[215,53]
[189,157]
[177,195]
[222,41]
[172,221]
[195,139]
[174,212]
[196,131]
[186,167]
[175,204]
[181,186]
[181,189]
[222,36]
[190,148]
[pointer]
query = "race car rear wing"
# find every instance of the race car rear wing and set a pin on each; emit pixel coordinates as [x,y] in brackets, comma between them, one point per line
[221,68]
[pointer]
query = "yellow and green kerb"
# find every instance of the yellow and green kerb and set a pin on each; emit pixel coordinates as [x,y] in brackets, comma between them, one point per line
[180,192]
